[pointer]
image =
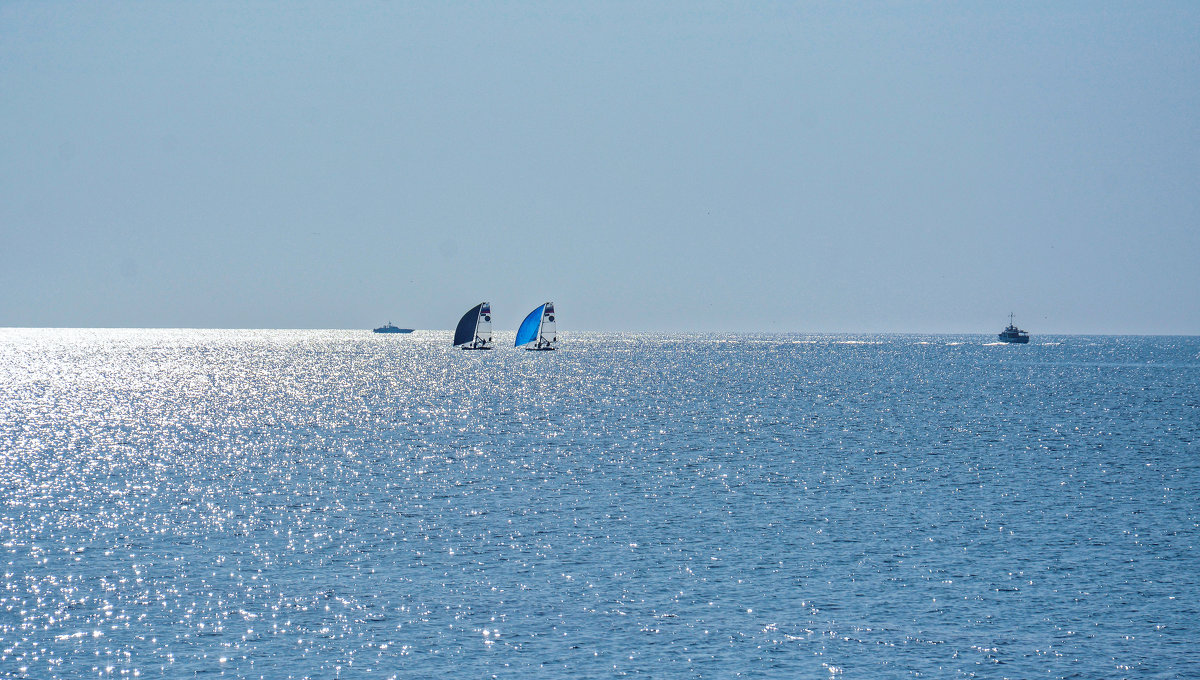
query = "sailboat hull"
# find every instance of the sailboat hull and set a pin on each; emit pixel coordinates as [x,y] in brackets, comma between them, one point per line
[465,347]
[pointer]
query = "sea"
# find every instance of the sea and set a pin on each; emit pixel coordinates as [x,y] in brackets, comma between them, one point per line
[340,504]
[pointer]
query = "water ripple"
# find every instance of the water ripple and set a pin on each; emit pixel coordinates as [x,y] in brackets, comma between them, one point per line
[318,504]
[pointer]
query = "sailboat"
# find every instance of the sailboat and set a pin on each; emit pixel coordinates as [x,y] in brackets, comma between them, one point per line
[538,328]
[475,328]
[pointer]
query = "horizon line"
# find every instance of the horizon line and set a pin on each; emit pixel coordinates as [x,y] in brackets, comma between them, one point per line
[584,330]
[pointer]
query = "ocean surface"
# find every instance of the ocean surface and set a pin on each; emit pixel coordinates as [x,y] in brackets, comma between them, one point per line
[322,504]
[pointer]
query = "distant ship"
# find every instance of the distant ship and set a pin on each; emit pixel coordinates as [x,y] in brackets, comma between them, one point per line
[1014,334]
[389,328]
[475,328]
[539,327]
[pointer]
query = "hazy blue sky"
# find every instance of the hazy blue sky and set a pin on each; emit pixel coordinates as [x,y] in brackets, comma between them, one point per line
[646,166]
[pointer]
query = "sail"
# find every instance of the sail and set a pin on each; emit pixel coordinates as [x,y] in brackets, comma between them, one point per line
[528,332]
[466,326]
[548,334]
[483,326]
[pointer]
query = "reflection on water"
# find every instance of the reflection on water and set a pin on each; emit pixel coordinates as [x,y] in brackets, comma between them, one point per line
[327,503]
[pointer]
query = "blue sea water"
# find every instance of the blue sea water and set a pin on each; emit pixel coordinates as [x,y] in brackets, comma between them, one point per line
[317,504]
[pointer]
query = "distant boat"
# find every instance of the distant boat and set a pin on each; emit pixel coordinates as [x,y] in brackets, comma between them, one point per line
[1014,334]
[475,328]
[538,327]
[389,328]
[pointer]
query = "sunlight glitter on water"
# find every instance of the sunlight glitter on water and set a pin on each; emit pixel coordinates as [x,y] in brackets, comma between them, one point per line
[308,503]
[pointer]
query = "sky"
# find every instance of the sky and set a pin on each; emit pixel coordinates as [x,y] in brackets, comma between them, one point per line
[802,167]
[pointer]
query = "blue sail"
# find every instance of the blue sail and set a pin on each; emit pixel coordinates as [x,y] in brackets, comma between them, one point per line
[466,326]
[528,332]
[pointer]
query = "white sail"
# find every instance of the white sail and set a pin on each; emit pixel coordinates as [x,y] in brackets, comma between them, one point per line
[483,327]
[547,333]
